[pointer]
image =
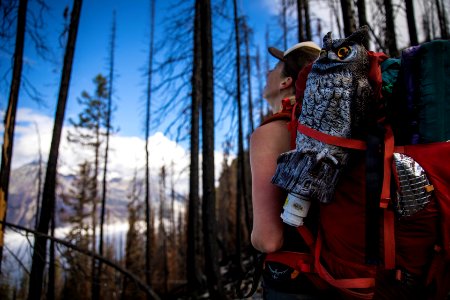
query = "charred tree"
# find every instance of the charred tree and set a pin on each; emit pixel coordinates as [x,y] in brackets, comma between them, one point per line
[410,16]
[10,117]
[162,232]
[241,186]
[108,113]
[48,200]
[348,16]
[304,25]
[391,39]
[148,105]
[442,19]
[284,26]
[362,18]
[39,180]
[307,20]
[247,31]
[209,200]
[300,9]
[334,8]
[260,86]
[192,263]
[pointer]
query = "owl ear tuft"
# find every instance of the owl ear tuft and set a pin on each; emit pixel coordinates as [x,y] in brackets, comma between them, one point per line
[327,41]
[359,35]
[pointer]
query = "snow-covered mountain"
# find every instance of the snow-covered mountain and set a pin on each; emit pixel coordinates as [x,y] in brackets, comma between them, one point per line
[23,191]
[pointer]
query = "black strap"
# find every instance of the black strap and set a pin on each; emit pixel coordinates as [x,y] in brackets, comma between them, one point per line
[374,182]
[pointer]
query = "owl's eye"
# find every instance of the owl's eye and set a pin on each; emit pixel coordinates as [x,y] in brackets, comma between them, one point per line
[323,53]
[343,52]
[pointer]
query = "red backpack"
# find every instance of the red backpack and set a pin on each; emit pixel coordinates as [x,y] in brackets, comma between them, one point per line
[412,250]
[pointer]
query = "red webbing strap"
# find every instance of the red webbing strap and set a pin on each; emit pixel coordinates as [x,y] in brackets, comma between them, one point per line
[388,214]
[342,284]
[291,126]
[388,156]
[331,139]
[307,236]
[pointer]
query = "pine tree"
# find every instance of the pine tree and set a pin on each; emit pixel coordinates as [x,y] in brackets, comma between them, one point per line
[88,132]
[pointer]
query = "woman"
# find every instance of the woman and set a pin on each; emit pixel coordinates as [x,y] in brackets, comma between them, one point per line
[268,141]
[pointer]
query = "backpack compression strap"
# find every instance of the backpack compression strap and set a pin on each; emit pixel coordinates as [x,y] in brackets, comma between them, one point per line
[388,228]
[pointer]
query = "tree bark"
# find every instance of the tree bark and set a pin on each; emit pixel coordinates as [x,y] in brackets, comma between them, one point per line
[106,154]
[335,12]
[10,117]
[391,39]
[192,263]
[260,80]
[48,200]
[362,19]
[240,178]
[300,6]
[442,19]
[247,30]
[162,230]
[410,16]
[284,25]
[148,257]
[208,205]
[348,17]
[307,20]
[247,180]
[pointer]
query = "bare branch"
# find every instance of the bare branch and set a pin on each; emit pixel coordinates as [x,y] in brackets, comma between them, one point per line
[104,260]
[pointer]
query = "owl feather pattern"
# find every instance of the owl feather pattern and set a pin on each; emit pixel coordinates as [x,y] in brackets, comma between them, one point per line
[337,101]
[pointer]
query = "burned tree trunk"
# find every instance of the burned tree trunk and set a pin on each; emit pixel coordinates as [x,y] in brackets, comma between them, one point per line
[209,199]
[192,262]
[391,40]
[48,200]
[348,17]
[10,117]
[411,22]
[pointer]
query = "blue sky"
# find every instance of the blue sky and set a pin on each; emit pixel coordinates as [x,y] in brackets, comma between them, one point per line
[91,58]
[91,55]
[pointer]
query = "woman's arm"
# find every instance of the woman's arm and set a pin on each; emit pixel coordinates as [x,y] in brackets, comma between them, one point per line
[267,143]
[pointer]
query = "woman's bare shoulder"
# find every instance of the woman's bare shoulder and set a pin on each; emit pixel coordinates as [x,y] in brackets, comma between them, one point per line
[273,133]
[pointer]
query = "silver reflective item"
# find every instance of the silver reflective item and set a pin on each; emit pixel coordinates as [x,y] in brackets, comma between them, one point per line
[414,188]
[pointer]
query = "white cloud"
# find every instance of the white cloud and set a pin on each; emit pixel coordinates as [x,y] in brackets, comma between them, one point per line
[271,6]
[127,153]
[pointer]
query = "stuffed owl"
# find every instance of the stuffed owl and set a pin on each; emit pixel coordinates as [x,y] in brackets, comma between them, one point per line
[337,101]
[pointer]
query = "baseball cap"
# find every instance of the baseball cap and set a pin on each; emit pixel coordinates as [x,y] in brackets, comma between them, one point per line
[297,56]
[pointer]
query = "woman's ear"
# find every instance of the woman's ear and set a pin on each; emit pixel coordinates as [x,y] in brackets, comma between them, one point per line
[286,83]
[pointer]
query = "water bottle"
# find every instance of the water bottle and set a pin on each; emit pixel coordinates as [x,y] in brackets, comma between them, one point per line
[295,208]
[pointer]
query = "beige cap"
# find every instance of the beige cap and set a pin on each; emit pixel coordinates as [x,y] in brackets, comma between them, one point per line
[304,47]
[296,57]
